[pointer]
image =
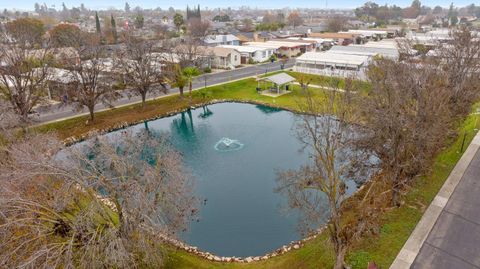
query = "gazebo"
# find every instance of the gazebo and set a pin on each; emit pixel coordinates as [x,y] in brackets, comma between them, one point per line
[278,83]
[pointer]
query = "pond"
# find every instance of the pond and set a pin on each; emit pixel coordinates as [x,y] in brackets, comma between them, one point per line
[234,151]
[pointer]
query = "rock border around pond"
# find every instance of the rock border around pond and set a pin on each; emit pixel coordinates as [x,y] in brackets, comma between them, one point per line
[294,245]
[75,139]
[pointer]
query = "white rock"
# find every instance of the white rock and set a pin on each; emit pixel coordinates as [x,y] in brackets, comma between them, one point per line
[296,246]
[248,259]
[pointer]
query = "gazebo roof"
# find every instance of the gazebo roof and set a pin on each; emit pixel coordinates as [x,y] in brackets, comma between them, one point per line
[279,79]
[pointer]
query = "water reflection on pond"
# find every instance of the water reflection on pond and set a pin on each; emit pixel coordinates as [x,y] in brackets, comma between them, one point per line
[241,214]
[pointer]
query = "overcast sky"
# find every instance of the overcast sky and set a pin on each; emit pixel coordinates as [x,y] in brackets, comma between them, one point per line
[105,4]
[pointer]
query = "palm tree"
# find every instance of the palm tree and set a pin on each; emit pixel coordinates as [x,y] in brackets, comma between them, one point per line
[178,80]
[189,73]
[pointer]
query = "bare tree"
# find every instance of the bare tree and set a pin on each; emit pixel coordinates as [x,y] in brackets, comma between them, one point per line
[25,32]
[141,67]
[336,23]
[8,121]
[108,203]
[93,86]
[198,28]
[319,187]
[294,19]
[460,60]
[186,52]
[407,114]
[23,71]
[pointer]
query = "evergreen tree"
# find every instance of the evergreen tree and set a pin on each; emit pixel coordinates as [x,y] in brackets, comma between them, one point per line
[97,22]
[139,20]
[193,13]
[178,21]
[114,29]
[452,15]
[37,7]
[127,7]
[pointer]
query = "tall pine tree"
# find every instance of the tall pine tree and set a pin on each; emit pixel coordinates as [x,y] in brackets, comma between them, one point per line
[114,28]
[97,22]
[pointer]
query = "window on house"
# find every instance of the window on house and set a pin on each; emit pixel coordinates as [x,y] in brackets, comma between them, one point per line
[264,54]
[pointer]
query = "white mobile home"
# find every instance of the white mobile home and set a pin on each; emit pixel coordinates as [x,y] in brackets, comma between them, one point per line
[386,52]
[332,64]
[216,40]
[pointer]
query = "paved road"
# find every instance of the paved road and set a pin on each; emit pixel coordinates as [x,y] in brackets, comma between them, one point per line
[454,241]
[60,112]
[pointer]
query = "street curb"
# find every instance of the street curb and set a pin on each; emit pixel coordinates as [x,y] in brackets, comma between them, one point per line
[410,250]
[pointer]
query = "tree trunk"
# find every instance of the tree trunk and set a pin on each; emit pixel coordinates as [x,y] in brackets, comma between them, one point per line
[339,243]
[180,89]
[340,259]
[91,110]
[395,190]
[144,97]
[24,116]
[190,91]
[395,194]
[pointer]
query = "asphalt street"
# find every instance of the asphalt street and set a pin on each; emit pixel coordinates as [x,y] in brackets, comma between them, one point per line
[57,112]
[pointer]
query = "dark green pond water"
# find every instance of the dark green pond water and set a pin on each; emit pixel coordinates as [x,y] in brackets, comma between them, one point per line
[242,216]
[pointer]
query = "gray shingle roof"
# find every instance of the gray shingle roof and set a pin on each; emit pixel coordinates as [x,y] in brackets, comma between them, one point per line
[280,79]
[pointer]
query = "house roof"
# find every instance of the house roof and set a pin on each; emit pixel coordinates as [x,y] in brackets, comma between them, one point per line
[263,45]
[249,49]
[366,50]
[333,58]
[368,32]
[277,44]
[243,38]
[219,51]
[212,39]
[333,35]
[279,79]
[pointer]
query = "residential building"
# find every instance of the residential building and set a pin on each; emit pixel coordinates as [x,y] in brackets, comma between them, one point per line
[252,53]
[223,58]
[340,38]
[332,64]
[216,40]
[384,49]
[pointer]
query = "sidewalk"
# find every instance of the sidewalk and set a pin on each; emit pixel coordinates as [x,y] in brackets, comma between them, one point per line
[448,235]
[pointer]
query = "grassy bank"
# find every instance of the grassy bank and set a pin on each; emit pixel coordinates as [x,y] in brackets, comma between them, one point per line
[396,224]
[242,90]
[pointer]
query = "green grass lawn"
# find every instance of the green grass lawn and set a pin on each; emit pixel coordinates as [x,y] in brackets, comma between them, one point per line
[242,90]
[396,224]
